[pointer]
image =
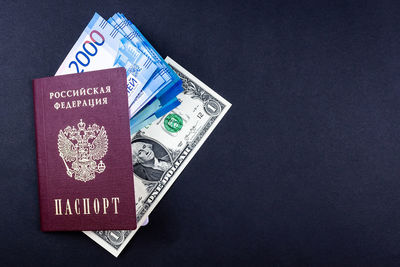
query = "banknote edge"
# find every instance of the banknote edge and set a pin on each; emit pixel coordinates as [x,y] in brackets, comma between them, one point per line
[108,247]
[200,83]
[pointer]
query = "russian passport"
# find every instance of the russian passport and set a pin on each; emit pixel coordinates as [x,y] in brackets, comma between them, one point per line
[84,158]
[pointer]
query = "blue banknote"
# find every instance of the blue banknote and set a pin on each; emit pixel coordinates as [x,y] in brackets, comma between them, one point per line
[101,46]
[135,127]
[164,79]
[156,108]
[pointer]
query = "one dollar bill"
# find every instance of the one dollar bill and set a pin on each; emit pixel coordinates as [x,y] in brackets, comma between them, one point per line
[161,150]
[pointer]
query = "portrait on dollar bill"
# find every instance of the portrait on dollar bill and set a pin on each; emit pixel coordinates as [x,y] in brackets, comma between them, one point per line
[150,159]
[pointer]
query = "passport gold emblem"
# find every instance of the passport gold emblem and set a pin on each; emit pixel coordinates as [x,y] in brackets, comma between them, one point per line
[83,147]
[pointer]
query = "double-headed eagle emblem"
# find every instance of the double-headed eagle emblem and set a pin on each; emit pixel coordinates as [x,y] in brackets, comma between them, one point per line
[83,147]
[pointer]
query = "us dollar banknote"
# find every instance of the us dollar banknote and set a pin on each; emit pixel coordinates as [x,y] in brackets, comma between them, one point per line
[161,150]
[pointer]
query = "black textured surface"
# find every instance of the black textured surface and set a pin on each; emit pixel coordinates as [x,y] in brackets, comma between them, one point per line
[303,170]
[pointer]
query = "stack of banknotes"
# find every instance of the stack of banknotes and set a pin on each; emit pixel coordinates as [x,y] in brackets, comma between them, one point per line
[171,111]
[152,85]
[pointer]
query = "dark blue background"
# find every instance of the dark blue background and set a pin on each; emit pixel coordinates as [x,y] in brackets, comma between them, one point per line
[303,170]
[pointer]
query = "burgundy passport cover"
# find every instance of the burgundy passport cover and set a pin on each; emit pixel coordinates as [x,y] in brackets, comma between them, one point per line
[84,155]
